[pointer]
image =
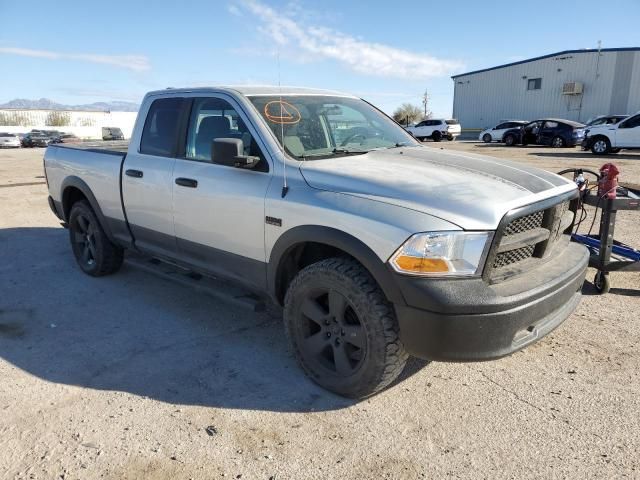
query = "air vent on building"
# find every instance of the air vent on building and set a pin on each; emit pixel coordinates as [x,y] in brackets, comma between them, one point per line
[572,88]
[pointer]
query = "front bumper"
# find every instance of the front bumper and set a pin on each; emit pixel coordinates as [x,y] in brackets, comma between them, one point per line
[469,320]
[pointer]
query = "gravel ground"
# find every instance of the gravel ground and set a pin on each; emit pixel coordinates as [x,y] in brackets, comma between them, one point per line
[133,376]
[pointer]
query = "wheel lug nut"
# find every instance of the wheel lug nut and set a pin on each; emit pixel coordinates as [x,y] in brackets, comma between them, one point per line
[328,334]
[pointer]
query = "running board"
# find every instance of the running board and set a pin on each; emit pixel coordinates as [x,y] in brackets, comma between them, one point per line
[214,287]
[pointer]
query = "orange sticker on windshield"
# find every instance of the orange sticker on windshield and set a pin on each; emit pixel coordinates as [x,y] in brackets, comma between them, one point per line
[281,112]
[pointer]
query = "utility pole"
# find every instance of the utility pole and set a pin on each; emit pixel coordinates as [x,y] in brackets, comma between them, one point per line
[425,101]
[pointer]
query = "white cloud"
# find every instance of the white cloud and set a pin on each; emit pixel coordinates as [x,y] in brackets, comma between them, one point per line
[137,63]
[317,42]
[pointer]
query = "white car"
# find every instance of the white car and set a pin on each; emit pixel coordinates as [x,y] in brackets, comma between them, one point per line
[9,140]
[436,129]
[611,138]
[495,134]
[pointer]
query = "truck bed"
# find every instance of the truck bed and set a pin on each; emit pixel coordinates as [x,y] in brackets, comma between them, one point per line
[98,168]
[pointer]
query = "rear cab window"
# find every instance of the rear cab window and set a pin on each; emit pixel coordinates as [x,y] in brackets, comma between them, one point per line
[161,127]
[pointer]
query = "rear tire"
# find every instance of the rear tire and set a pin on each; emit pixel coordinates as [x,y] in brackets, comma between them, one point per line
[94,252]
[436,136]
[557,142]
[486,138]
[342,329]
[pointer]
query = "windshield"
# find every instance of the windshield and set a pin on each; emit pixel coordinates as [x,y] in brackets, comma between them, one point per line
[321,126]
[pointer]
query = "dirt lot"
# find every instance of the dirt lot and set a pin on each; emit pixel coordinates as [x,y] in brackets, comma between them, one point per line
[121,377]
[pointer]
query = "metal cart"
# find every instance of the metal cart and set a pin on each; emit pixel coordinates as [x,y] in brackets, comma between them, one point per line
[607,254]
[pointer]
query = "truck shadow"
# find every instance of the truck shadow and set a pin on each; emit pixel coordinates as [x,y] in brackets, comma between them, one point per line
[138,333]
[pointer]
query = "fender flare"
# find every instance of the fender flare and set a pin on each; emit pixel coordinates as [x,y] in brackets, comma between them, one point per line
[77,182]
[378,269]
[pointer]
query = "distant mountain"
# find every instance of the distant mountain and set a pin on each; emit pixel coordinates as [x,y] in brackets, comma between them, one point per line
[47,104]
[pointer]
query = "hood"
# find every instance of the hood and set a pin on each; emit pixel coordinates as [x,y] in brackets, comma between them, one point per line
[471,191]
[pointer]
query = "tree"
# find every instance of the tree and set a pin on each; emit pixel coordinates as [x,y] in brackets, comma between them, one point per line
[13,119]
[407,113]
[58,119]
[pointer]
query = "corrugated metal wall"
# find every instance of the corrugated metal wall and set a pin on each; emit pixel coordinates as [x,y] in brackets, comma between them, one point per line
[483,99]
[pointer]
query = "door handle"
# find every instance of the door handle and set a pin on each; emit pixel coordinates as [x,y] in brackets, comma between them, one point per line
[134,173]
[187,182]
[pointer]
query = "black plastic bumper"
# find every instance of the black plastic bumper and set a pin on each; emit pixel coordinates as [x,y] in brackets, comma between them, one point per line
[469,320]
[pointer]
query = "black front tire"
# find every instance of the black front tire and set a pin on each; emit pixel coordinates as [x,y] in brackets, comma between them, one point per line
[486,138]
[510,140]
[342,330]
[436,136]
[601,146]
[94,252]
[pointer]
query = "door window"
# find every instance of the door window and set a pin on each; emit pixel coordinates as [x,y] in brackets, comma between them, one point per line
[633,122]
[551,125]
[160,132]
[213,118]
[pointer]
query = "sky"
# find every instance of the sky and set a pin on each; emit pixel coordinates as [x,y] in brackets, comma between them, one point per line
[389,53]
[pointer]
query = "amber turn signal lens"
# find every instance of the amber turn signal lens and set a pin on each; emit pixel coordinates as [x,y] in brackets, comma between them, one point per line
[421,265]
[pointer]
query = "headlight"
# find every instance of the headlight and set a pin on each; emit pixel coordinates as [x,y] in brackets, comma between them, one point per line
[443,254]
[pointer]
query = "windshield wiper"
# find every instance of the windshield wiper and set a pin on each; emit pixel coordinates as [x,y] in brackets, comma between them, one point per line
[348,152]
[334,152]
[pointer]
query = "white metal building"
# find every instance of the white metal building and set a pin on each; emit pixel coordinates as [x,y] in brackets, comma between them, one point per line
[574,84]
[84,124]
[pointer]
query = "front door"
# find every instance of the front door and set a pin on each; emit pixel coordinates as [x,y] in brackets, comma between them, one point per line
[147,178]
[628,133]
[218,211]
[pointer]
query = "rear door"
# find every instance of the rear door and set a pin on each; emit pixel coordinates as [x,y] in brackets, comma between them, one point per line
[147,177]
[628,133]
[218,210]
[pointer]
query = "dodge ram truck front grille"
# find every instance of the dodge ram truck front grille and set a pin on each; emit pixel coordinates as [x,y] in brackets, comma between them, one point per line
[513,256]
[522,224]
[527,240]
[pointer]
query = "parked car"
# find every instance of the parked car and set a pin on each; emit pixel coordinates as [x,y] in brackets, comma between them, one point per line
[496,133]
[69,138]
[601,120]
[9,140]
[54,135]
[549,131]
[112,133]
[436,129]
[611,138]
[376,246]
[35,139]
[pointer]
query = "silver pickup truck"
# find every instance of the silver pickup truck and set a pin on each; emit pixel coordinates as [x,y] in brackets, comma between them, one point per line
[377,247]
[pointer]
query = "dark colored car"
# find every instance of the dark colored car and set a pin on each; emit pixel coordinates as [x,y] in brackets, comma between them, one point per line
[112,133]
[54,135]
[548,131]
[69,138]
[35,139]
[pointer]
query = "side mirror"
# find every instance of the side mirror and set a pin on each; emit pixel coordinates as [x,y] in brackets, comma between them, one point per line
[230,152]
